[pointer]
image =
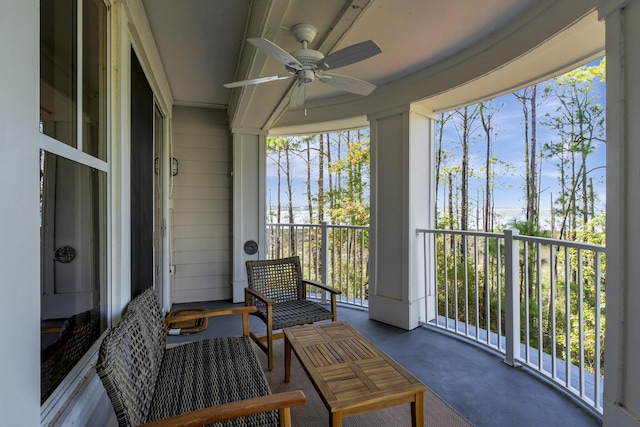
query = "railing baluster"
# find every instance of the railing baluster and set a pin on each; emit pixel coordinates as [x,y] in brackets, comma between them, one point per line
[477,281]
[499,296]
[455,287]
[552,291]
[348,257]
[446,279]
[580,321]
[540,302]
[487,288]
[527,304]
[567,314]
[597,401]
[512,297]
[465,248]
[324,258]
[362,267]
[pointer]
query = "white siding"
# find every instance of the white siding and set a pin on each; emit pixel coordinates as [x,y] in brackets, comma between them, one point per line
[201,214]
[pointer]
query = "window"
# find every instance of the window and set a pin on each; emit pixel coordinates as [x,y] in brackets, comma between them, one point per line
[73,183]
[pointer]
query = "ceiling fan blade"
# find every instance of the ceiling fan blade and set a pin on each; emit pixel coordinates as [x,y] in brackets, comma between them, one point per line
[276,52]
[299,95]
[346,83]
[258,80]
[349,55]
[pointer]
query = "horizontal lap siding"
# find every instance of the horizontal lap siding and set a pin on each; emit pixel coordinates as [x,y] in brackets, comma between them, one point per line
[201,216]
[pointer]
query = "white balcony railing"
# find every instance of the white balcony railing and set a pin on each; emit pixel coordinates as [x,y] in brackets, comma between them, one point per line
[538,301]
[341,262]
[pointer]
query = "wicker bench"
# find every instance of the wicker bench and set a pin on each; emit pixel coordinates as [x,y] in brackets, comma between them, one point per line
[216,381]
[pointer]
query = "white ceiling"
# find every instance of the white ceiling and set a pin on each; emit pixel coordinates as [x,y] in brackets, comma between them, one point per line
[428,48]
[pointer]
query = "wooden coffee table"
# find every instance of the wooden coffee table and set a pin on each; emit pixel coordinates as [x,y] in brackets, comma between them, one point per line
[351,374]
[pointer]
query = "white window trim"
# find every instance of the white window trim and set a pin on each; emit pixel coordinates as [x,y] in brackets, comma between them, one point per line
[63,395]
[56,147]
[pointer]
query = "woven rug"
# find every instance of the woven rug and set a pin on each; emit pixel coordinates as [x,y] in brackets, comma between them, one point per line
[189,326]
[437,413]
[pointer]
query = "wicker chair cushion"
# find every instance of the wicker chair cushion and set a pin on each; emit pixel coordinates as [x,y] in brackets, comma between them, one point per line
[126,365]
[211,372]
[293,313]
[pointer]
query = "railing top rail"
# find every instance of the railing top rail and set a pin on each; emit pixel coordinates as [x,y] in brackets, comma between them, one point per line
[558,242]
[521,237]
[459,232]
[361,227]
[292,225]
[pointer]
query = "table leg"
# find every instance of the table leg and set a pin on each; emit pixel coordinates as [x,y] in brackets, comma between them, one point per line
[287,359]
[335,419]
[417,410]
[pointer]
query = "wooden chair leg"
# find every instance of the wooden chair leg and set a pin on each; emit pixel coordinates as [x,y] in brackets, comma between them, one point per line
[270,345]
[270,338]
[334,307]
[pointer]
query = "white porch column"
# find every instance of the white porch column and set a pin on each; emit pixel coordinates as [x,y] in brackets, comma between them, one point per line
[249,203]
[622,370]
[20,225]
[402,193]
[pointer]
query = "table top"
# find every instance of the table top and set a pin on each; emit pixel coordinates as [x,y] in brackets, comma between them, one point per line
[348,371]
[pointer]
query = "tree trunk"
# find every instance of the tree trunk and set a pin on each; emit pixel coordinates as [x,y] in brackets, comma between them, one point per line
[309,192]
[292,241]
[321,179]
[450,201]
[486,125]
[532,203]
[441,123]
[464,213]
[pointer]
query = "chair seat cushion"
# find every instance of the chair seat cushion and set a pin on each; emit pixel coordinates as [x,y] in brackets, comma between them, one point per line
[210,372]
[293,313]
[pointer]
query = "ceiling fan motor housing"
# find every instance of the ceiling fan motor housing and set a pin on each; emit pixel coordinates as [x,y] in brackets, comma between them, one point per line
[306,76]
[308,59]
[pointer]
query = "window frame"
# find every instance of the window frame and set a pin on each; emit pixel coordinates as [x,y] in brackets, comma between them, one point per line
[51,408]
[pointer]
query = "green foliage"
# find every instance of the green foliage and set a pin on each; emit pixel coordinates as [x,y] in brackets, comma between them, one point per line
[579,124]
[560,289]
[345,161]
[353,208]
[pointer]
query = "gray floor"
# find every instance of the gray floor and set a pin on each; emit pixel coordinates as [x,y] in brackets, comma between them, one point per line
[470,378]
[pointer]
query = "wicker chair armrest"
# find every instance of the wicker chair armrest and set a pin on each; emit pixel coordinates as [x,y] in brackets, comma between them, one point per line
[322,286]
[259,295]
[212,313]
[214,414]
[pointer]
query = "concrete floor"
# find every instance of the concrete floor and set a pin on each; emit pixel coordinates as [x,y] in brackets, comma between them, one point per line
[470,378]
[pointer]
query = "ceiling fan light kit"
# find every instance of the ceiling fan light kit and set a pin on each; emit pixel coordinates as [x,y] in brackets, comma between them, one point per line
[308,64]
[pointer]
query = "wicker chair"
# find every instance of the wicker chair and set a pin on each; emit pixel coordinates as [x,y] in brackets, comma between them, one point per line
[212,382]
[278,290]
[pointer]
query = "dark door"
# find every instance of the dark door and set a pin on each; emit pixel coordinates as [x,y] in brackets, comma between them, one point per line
[141,179]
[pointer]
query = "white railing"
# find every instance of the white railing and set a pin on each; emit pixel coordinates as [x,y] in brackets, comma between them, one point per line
[341,262]
[538,301]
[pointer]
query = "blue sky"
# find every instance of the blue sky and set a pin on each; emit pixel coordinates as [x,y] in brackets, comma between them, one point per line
[508,147]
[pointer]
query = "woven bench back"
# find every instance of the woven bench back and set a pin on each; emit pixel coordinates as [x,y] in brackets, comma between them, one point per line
[129,360]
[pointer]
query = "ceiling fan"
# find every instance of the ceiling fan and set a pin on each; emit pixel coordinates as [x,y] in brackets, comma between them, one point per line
[306,65]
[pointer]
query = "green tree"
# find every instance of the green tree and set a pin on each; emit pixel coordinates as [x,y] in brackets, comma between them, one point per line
[579,126]
[353,208]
